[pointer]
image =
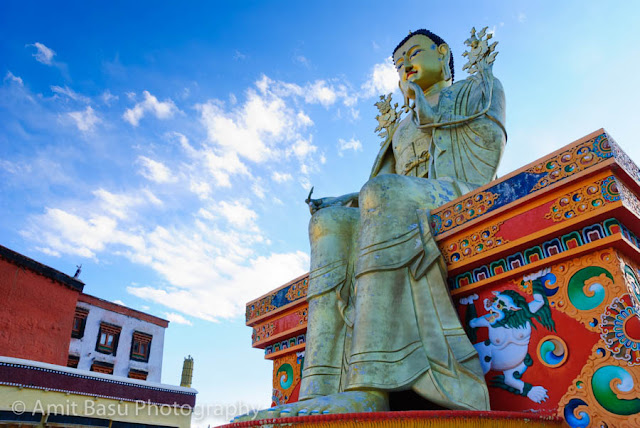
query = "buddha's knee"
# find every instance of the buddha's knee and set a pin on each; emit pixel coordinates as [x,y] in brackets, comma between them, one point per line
[380,190]
[333,221]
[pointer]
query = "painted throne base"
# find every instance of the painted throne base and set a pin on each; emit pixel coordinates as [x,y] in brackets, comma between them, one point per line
[410,419]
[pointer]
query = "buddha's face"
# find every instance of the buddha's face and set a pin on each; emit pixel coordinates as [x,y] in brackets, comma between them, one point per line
[419,60]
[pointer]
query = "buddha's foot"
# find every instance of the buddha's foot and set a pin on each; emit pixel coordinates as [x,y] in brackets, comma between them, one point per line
[344,402]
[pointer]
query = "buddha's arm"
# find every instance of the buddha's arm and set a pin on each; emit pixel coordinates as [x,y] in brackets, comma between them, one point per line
[348,200]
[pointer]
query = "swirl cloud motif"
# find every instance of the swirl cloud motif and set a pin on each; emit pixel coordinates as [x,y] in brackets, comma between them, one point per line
[552,351]
[603,384]
[286,380]
[580,420]
[586,298]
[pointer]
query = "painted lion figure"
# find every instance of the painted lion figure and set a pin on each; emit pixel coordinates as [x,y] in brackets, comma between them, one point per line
[509,319]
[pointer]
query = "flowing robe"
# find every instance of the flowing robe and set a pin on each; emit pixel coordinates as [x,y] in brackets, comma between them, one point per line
[380,314]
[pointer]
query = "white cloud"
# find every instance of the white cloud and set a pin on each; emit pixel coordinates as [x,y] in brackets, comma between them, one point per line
[210,265]
[382,80]
[304,183]
[86,120]
[49,251]
[222,167]
[155,171]
[352,144]
[107,97]
[119,302]
[176,318]
[241,136]
[160,109]
[207,164]
[208,254]
[122,205]
[43,54]
[304,120]
[66,91]
[200,188]
[303,148]
[250,130]
[64,232]
[211,296]
[238,214]
[279,177]
[281,89]
[319,92]
[267,126]
[301,59]
[258,189]
[323,92]
[13,78]
[39,171]
[522,17]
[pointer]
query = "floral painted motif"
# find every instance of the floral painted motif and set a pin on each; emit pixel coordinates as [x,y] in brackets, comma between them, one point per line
[469,208]
[474,243]
[572,161]
[621,330]
[584,200]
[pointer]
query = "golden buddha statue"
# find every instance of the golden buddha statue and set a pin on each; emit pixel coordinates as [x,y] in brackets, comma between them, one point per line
[380,315]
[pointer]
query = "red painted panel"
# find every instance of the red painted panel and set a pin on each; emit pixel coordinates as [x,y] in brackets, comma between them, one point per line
[526,223]
[287,322]
[36,315]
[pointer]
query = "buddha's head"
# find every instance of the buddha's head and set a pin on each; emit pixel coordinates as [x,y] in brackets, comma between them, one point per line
[424,58]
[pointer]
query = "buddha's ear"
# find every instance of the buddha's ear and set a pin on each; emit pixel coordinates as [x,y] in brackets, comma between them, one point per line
[445,56]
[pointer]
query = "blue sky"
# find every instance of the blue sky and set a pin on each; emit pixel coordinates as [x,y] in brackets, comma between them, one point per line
[169,148]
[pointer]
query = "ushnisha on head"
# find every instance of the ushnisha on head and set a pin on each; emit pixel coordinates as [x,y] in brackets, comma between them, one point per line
[423,58]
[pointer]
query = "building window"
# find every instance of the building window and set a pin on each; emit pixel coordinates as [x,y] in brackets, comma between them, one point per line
[108,338]
[140,346]
[102,367]
[138,374]
[79,321]
[73,361]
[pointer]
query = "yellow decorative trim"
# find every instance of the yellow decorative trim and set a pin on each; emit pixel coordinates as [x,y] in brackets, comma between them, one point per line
[454,422]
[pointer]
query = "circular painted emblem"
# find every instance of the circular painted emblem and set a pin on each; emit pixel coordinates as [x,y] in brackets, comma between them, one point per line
[552,351]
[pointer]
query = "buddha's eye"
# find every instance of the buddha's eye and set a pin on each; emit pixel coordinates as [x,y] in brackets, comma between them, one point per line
[416,52]
[399,66]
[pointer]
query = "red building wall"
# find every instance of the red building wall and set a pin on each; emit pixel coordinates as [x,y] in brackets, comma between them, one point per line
[36,314]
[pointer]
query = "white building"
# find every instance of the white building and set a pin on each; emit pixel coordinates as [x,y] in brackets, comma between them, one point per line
[113,339]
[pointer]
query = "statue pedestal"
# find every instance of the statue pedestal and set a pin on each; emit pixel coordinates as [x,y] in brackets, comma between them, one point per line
[570,222]
[421,419]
